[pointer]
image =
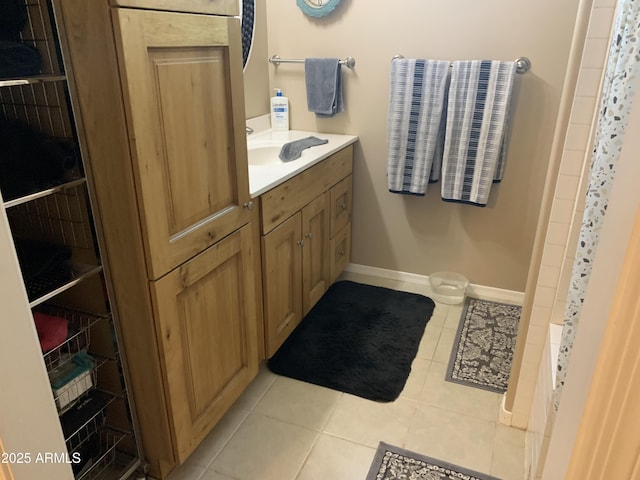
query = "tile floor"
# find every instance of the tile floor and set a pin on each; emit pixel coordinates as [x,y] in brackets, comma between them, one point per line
[283,429]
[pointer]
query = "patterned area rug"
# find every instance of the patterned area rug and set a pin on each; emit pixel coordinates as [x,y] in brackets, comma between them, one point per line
[483,350]
[397,463]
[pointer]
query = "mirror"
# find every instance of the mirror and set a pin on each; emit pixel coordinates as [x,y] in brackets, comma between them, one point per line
[247,12]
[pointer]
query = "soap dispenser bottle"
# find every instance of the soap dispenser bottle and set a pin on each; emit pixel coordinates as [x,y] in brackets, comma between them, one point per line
[279,112]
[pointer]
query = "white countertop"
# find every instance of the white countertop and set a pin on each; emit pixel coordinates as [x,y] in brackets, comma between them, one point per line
[265,177]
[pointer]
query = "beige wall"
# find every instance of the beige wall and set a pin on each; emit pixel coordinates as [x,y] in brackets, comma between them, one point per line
[491,245]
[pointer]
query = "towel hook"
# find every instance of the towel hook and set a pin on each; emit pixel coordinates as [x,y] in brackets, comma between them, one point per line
[523,64]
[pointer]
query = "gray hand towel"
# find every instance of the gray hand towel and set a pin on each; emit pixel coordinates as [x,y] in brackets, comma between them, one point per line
[324,86]
[293,150]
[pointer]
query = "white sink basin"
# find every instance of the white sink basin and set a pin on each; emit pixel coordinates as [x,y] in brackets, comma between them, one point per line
[264,153]
[266,170]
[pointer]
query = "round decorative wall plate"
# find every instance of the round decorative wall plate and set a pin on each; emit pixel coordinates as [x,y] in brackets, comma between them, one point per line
[317,8]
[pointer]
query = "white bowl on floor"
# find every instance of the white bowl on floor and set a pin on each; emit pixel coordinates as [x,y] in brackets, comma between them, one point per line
[448,287]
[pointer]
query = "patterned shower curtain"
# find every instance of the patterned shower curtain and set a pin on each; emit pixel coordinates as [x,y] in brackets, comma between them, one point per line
[620,82]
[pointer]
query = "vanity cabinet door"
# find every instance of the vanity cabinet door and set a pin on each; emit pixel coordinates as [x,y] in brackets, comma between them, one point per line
[315,251]
[205,312]
[182,81]
[282,281]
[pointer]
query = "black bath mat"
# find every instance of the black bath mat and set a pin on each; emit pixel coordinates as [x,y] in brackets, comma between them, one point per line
[358,339]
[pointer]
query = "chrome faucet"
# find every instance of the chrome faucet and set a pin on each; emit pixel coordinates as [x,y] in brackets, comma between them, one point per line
[249,130]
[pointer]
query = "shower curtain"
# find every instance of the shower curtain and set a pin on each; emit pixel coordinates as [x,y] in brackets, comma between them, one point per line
[619,86]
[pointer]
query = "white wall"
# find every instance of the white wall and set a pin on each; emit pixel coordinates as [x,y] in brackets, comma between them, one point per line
[28,416]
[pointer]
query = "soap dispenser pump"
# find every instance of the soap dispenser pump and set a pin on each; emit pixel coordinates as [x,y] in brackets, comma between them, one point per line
[279,112]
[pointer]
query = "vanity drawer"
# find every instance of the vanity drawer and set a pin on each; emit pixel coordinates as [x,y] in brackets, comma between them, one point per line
[281,202]
[340,252]
[341,205]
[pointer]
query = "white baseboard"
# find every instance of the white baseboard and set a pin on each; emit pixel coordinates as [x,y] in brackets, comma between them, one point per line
[480,291]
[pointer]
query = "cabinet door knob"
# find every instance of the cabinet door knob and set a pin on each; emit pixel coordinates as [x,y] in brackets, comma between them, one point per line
[343,206]
[248,205]
[308,235]
[341,253]
[300,242]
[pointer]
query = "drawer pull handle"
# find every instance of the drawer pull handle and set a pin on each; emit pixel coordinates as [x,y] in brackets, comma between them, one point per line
[248,205]
[309,235]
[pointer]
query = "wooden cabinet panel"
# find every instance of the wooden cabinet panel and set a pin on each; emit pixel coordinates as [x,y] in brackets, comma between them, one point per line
[315,251]
[341,205]
[282,281]
[180,74]
[340,252]
[216,7]
[206,318]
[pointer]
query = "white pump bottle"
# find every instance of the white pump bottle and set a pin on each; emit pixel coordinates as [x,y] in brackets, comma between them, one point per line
[279,112]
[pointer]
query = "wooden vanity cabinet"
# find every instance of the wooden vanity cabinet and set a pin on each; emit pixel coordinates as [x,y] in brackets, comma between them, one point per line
[295,262]
[306,232]
[205,311]
[181,91]
[160,98]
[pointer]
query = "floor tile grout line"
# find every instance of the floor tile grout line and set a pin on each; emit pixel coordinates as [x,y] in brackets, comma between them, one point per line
[475,417]
[424,383]
[286,422]
[306,457]
[413,416]
[201,477]
[350,440]
[237,427]
[337,437]
[333,411]
[320,428]
[275,377]
[316,432]
[226,442]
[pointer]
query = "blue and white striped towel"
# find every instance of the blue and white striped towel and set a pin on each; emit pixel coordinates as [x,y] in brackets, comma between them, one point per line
[416,106]
[479,99]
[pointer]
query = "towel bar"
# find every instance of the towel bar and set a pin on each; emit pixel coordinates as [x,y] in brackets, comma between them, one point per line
[523,64]
[276,60]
